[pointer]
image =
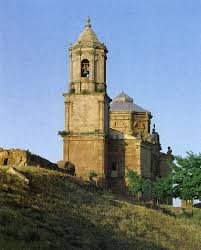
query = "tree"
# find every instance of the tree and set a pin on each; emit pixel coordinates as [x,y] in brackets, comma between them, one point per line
[162,188]
[186,174]
[137,185]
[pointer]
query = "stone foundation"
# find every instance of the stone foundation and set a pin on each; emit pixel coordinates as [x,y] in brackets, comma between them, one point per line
[87,153]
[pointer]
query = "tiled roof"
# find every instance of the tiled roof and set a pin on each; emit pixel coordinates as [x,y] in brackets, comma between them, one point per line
[123,97]
[125,103]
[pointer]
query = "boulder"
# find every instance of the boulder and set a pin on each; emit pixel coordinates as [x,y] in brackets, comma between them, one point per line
[61,164]
[20,157]
[69,168]
[13,171]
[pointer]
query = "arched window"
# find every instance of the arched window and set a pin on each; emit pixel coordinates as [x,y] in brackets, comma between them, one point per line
[84,68]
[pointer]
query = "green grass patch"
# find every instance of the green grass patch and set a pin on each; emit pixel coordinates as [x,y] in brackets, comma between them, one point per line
[57,211]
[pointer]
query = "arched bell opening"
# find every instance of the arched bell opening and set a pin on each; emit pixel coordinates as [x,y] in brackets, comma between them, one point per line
[85,68]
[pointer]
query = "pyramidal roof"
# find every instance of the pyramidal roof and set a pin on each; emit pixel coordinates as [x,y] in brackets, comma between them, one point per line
[88,36]
[123,97]
[123,102]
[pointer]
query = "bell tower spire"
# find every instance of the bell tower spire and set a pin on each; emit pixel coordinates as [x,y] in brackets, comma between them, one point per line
[87,105]
[88,62]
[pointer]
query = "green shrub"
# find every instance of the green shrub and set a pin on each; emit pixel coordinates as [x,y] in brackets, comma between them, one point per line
[92,174]
[63,133]
[137,185]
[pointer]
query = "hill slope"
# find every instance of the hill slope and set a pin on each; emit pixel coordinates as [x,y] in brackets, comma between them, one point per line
[56,211]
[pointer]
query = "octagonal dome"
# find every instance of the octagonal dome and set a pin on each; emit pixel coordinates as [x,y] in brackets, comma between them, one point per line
[88,37]
[123,102]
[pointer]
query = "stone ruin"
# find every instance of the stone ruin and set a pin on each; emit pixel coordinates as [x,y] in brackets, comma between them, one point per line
[19,157]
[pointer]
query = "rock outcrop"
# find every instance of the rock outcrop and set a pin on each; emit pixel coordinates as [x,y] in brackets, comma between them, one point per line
[15,172]
[19,157]
[66,166]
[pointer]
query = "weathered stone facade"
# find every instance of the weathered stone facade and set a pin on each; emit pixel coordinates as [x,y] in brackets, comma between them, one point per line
[103,136]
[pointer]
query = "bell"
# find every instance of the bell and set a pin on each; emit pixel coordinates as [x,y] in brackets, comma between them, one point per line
[85,70]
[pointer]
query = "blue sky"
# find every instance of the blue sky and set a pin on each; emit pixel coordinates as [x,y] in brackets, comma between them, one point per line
[154,56]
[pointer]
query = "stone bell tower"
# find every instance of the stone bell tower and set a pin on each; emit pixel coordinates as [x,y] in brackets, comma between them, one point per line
[88,63]
[87,106]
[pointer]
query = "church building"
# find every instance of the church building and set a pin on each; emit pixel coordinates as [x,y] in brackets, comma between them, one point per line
[103,135]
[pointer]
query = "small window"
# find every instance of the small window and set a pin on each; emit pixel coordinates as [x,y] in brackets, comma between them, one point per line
[114,172]
[114,166]
[85,68]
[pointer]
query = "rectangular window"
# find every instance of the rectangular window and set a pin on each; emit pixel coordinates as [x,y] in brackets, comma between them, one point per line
[114,166]
[114,172]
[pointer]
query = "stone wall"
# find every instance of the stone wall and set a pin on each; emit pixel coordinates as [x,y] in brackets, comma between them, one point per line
[121,121]
[87,112]
[132,155]
[163,164]
[116,166]
[146,161]
[19,157]
[141,124]
[87,152]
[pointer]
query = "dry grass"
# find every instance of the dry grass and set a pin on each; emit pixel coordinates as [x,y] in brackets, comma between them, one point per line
[56,211]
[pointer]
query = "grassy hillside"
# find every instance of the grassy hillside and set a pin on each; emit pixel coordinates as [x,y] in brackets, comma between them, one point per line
[56,211]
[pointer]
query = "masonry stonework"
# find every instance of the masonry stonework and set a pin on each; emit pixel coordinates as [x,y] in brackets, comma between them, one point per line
[107,136]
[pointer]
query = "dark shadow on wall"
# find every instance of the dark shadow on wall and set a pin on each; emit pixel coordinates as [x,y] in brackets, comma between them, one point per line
[116,163]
